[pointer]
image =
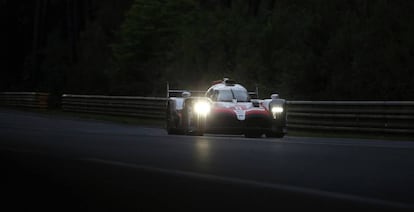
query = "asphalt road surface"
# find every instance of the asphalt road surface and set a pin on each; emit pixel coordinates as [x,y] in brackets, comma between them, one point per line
[68,164]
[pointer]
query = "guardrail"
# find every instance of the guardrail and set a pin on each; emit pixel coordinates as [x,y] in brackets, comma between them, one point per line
[383,117]
[324,116]
[142,107]
[32,100]
[352,116]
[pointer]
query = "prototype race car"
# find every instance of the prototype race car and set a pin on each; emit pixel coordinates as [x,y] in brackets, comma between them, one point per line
[226,108]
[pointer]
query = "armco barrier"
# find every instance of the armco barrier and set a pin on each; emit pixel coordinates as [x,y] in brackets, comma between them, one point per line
[142,107]
[326,116]
[352,116]
[32,100]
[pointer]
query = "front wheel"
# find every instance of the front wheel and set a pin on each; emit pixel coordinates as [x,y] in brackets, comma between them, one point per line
[171,130]
[195,133]
[193,124]
[275,134]
[253,134]
[276,131]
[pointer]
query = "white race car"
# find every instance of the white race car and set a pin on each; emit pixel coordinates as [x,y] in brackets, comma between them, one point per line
[226,108]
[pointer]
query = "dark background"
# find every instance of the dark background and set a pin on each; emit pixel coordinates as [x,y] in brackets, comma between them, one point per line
[305,50]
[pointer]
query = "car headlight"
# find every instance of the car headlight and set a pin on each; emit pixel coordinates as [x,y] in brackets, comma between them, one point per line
[277,109]
[202,108]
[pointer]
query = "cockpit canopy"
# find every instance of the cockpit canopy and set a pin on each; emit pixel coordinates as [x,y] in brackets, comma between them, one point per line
[225,93]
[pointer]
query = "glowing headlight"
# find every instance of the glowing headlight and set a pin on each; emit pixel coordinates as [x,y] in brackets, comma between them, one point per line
[202,108]
[277,109]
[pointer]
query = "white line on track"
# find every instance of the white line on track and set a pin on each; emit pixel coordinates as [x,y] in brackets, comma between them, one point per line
[322,141]
[275,186]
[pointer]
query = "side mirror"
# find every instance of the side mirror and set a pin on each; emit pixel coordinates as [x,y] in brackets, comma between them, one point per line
[186,94]
[274,96]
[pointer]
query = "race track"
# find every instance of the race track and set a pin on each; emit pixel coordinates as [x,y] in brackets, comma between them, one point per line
[65,164]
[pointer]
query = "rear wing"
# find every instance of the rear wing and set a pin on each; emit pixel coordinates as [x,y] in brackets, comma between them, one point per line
[178,92]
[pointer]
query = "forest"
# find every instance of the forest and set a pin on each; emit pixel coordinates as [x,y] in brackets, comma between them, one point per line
[303,50]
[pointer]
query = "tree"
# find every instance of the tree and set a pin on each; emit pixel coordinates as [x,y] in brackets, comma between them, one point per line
[147,35]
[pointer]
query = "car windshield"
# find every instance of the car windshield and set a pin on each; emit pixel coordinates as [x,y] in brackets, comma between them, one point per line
[229,95]
[241,95]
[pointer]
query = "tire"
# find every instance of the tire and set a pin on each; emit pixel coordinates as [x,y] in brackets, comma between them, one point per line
[191,130]
[275,135]
[194,133]
[253,134]
[275,132]
[171,130]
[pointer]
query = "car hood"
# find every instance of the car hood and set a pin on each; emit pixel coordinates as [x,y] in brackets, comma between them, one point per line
[239,109]
[235,106]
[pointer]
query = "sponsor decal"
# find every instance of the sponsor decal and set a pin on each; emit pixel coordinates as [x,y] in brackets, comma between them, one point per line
[240,113]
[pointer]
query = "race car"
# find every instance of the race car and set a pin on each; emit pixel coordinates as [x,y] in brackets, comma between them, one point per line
[226,108]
